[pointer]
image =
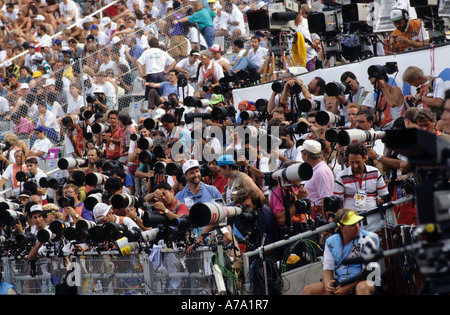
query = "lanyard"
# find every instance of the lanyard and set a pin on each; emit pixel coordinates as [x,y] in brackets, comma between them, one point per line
[362,180]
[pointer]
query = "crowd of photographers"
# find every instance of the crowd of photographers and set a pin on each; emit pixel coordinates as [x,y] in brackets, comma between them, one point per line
[150,180]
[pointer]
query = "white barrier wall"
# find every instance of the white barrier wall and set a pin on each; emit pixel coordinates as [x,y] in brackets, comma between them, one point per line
[427,59]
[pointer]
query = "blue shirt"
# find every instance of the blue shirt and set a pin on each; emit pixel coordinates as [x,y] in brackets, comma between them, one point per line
[356,248]
[206,193]
[167,88]
[138,50]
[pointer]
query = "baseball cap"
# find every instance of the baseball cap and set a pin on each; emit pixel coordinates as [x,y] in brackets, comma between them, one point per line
[37,56]
[396,15]
[194,52]
[216,98]
[57,41]
[260,4]
[67,120]
[312,146]
[25,193]
[40,128]
[36,208]
[350,218]
[190,164]
[100,211]
[215,48]
[93,27]
[49,82]
[105,21]
[98,89]
[227,159]
[39,18]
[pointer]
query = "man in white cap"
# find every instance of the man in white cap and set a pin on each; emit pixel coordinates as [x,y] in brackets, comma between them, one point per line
[103,214]
[321,183]
[190,65]
[408,34]
[108,26]
[195,190]
[37,219]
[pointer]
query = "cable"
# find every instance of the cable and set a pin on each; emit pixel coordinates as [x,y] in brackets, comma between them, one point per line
[274,278]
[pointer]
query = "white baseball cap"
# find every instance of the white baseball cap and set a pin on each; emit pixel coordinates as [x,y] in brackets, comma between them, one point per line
[190,164]
[312,146]
[35,208]
[98,89]
[105,21]
[49,82]
[260,4]
[396,15]
[100,211]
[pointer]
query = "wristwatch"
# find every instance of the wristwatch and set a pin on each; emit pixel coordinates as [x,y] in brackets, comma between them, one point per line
[419,98]
[378,158]
[166,211]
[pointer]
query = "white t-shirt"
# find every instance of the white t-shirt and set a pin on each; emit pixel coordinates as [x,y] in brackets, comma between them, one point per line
[57,110]
[73,105]
[42,145]
[110,65]
[258,56]
[101,38]
[4,105]
[155,60]
[192,70]
[50,121]
[65,9]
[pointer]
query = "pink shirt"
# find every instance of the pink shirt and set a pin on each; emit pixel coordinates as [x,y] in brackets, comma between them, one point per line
[25,126]
[321,184]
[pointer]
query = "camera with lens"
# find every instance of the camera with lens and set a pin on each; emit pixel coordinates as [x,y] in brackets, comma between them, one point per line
[182,81]
[192,101]
[220,113]
[120,201]
[64,202]
[207,85]
[302,206]
[190,117]
[336,88]
[331,205]
[170,103]
[22,176]
[408,185]
[380,72]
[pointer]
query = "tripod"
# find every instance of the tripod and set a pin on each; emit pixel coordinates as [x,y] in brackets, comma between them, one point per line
[273,68]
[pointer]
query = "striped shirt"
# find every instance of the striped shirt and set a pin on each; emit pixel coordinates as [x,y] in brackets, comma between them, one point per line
[372,184]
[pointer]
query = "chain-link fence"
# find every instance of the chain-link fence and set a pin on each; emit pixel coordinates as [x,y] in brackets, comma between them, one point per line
[61,76]
[93,273]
